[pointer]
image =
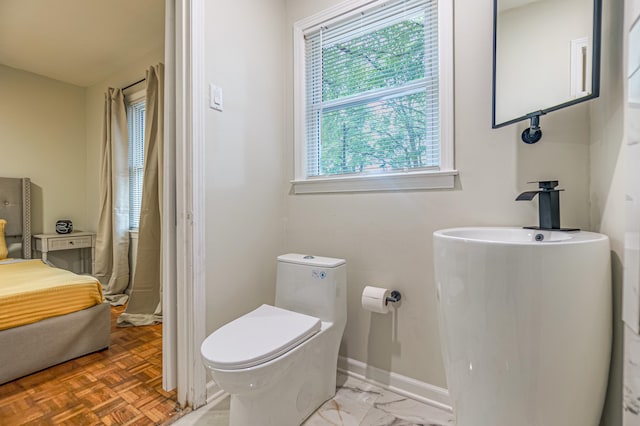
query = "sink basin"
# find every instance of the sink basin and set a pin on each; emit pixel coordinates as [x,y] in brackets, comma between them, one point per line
[525,322]
[519,236]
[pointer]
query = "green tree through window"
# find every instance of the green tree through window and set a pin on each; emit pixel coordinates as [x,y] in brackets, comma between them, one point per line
[376,108]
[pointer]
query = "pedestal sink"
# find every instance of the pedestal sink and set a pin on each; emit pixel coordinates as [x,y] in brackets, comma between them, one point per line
[525,323]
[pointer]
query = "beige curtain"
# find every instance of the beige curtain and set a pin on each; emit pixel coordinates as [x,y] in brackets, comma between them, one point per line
[112,241]
[145,303]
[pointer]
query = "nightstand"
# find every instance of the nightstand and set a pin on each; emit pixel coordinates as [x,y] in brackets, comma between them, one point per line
[44,243]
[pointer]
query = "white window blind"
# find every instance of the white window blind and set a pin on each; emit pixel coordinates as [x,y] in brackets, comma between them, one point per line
[372,91]
[135,121]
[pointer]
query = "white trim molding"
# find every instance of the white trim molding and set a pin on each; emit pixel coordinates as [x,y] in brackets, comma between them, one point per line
[397,383]
[445,61]
[402,385]
[215,394]
[190,215]
[169,313]
[383,182]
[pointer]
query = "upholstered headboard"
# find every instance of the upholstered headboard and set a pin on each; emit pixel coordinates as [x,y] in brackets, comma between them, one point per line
[15,207]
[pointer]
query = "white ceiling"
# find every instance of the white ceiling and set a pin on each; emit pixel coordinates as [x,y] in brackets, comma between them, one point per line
[81,42]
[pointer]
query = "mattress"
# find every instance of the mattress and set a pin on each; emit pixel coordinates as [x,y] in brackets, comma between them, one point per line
[31,291]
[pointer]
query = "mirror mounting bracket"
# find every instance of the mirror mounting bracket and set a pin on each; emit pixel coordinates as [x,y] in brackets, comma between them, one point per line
[533,133]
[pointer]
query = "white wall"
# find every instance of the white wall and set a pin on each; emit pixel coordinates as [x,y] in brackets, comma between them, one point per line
[631,156]
[42,124]
[244,156]
[51,132]
[386,238]
[606,192]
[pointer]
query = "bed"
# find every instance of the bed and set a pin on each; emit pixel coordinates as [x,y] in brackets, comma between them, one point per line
[43,340]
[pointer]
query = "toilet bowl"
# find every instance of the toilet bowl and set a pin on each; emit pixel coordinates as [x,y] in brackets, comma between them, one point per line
[279,362]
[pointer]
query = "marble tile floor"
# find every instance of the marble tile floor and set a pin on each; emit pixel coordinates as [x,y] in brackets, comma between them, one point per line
[356,403]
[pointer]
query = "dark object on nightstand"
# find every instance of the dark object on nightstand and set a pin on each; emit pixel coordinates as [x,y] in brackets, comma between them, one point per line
[64,226]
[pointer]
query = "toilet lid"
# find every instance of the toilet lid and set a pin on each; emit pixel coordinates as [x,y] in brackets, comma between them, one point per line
[257,337]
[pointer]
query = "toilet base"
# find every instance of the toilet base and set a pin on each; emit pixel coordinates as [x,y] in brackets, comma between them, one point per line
[308,380]
[290,408]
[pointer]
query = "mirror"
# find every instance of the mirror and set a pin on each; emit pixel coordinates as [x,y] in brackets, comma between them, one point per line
[546,56]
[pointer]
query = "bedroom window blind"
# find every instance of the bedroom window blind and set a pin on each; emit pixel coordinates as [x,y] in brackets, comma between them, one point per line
[135,121]
[372,91]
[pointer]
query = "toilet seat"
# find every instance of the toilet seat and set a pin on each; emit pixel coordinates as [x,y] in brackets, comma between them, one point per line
[257,337]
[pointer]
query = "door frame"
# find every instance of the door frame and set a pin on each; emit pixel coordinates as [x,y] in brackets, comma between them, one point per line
[169,330]
[183,204]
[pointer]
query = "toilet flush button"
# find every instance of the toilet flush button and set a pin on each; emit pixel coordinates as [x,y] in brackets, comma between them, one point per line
[309,257]
[319,275]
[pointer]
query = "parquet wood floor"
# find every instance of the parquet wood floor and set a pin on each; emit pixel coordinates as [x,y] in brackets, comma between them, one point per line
[118,386]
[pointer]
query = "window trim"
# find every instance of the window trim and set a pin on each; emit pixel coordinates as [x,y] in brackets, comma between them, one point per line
[442,178]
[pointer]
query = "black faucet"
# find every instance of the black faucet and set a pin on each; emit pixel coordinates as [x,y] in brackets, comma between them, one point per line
[548,205]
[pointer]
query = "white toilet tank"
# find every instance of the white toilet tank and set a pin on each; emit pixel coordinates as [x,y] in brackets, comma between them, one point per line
[313,285]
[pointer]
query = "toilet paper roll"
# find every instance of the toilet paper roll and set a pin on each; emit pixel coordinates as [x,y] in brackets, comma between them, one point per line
[374,299]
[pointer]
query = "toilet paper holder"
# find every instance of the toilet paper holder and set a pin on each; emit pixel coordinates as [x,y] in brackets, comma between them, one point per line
[394,297]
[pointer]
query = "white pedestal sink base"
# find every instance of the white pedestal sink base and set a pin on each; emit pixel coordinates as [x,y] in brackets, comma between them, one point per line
[526,325]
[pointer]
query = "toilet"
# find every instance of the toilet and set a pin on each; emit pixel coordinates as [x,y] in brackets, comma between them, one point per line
[279,362]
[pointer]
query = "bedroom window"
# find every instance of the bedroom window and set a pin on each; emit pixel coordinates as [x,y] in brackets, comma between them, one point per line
[135,121]
[373,97]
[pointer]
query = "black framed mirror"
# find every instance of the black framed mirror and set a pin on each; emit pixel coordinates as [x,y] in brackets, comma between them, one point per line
[546,56]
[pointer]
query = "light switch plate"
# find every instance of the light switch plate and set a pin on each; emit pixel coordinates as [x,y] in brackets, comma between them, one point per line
[215,97]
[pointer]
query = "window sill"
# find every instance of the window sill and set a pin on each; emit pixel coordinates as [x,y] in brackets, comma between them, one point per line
[390,182]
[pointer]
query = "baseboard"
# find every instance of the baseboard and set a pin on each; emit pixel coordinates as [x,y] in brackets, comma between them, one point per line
[214,396]
[402,385]
[214,393]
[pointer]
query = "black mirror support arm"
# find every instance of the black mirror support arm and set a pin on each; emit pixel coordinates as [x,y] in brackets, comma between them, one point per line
[533,133]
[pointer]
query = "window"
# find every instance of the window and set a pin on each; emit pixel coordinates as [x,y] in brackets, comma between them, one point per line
[135,122]
[373,98]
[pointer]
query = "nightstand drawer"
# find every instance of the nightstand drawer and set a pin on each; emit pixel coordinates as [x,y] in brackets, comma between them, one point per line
[69,243]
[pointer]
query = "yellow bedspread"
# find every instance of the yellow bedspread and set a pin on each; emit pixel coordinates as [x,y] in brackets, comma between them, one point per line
[31,291]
